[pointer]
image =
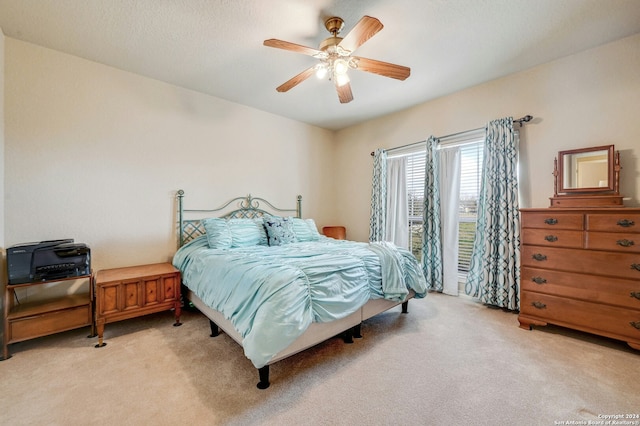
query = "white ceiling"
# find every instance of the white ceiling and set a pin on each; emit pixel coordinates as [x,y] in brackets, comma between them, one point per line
[215,46]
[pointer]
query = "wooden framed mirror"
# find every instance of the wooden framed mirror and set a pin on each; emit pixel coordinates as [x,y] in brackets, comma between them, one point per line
[587,177]
[586,170]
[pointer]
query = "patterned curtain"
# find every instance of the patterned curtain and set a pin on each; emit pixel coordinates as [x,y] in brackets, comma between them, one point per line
[494,274]
[431,230]
[377,222]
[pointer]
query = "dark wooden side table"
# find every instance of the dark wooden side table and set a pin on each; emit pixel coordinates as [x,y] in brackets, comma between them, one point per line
[130,292]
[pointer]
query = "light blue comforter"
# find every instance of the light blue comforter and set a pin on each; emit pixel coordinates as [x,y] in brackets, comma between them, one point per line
[272,294]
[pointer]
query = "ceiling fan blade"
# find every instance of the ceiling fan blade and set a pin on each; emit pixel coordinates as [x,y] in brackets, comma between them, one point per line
[281,44]
[383,68]
[293,82]
[366,28]
[344,93]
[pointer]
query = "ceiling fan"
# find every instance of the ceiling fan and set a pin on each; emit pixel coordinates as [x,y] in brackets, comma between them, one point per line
[335,55]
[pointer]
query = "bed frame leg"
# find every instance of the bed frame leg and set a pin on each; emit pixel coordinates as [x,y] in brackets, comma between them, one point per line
[263,372]
[215,331]
[347,335]
[405,307]
[357,331]
[184,300]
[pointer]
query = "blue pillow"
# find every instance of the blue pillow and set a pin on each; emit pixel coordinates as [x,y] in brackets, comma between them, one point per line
[279,230]
[233,233]
[305,229]
[218,233]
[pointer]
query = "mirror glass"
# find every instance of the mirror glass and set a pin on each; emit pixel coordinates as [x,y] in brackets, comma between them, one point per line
[586,170]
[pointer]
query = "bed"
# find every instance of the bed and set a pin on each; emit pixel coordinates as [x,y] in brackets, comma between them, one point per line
[275,285]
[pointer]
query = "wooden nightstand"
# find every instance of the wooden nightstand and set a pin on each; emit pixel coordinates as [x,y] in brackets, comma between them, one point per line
[124,293]
[23,321]
[336,232]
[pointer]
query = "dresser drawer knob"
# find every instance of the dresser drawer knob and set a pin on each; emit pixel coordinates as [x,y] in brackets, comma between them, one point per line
[540,305]
[625,223]
[551,238]
[635,266]
[551,221]
[625,243]
[540,280]
[635,324]
[541,257]
[635,294]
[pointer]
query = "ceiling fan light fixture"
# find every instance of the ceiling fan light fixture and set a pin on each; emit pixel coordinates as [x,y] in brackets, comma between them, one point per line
[322,70]
[342,79]
[340,67]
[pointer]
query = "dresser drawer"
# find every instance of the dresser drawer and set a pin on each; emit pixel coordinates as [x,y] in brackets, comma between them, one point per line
[552,220]
[627,243]
[552,237]
[590,288]
[592,317]
[623,265]
[614,222]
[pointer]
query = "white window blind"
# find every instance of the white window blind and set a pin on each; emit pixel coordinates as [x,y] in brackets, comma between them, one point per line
[470,175]
[415,193]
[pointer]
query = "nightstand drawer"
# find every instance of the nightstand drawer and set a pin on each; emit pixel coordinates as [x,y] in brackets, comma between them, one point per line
[44,324]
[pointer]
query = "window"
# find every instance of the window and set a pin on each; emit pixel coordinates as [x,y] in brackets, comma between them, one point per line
[415,196]
[470,174]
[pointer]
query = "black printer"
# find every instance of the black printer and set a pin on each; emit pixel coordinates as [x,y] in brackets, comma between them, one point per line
[47,260]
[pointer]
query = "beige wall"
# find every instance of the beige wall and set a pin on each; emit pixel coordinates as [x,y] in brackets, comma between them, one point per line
[2,131]
[96,154]
[588,99]
[2,238]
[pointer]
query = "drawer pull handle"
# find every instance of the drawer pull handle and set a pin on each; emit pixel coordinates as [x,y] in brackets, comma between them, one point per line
[635,266]
[551,238]
[625,223]
[625,243]
[635,294]
[540,305]
[635,324]
[540,280]
[541,257]
[551,221]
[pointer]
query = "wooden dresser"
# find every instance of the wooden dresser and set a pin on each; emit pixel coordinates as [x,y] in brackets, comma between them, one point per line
[580,268]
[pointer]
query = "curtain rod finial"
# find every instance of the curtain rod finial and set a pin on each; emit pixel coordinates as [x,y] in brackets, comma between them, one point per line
[527,118]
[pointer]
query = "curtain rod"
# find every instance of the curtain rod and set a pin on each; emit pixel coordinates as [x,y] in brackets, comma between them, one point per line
[520,121]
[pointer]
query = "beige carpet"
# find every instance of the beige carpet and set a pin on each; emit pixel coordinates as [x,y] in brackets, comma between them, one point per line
[450,361]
